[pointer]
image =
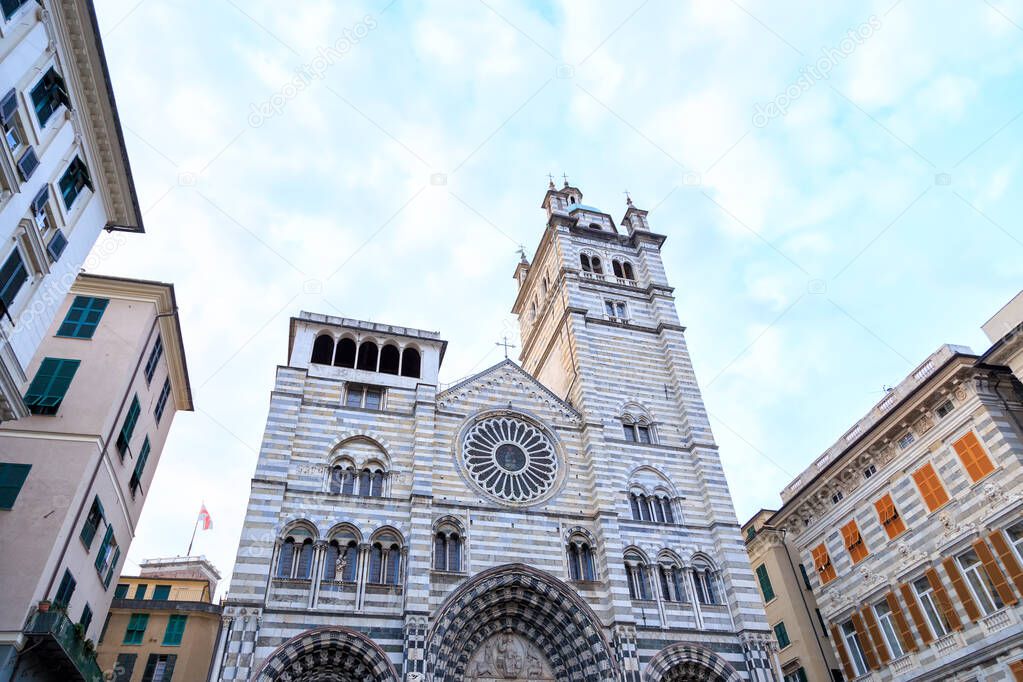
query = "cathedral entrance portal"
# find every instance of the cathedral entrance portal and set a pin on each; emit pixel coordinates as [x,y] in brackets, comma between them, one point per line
[516,623]
[331,654]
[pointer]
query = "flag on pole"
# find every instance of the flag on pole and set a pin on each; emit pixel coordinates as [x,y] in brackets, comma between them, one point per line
[204,518]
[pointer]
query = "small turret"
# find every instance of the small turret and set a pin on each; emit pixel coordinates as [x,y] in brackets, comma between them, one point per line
[635,219]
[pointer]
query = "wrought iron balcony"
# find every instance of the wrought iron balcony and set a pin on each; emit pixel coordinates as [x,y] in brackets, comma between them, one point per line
[60,648]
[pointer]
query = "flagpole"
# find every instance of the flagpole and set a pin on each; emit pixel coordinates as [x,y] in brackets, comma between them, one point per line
[194,528]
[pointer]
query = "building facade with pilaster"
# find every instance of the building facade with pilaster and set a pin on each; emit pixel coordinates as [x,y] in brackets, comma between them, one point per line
[565,518]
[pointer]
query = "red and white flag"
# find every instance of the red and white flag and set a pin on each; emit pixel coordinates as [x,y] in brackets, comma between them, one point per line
[204,518]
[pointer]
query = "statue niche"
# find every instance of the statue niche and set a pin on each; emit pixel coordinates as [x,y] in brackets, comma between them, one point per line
[507,656]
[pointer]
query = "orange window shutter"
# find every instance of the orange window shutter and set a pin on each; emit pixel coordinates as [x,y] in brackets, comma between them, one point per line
[916,613]
[875,635]
[1008,558]
[994,572]
[843,655]
[931,488]
[1016,668]
[961,588]
[973,456]
[901,624]
[944,603]
[864,637]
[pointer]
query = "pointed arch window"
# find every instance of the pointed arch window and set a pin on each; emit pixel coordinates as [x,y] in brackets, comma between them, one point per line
[385,561]
[705,581]
[286,558]
[294,559]
[672,581]
[447,549]
[637,575]
[341,557]
[337,477]
[323,349]
[376,484]
[580,559]
[638,430]
[344,354]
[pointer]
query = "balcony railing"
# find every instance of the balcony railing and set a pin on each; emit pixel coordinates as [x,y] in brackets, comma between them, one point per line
[999,620]
[61,647]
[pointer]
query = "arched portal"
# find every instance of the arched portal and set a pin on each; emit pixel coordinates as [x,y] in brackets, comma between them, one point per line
[522,624]
[328,654]
[688,663]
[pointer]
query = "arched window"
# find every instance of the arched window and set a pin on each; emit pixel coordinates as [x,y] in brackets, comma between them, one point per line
[617,268]
[330,560]
[286,558]
[672,581]
[594,226]
[323,349]
[580,558]
[348,482]
[392,573]
[658,509]
[344,354]
[447,547]
[634,504]
[584,262]
[669,515]
[532,311]
[337,477]
[376,484]
[644,508]
[390,358]
[376,561]
[597,267]
[440,552]
[351,562]
[454,552]
[364,478]
[304,560]
[367,356]
[705,581]
[636,572]
[638,431]
[627,271]
[411,363]
[385,561]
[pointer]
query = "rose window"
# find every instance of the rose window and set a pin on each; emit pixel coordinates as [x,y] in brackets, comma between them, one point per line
[510,459]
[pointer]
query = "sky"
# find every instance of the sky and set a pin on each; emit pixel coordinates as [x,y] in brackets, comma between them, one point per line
[835,181]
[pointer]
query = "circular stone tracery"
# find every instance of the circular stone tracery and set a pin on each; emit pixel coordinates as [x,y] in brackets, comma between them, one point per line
[509,458]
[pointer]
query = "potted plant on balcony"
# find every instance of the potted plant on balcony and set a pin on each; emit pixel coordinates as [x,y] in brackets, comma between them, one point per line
[79,631]
[89,647]
[43,606]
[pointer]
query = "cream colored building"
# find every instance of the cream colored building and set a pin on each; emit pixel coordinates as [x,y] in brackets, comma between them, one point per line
[911,527]
[64,173]
[804,653]
[163,623]
[1005,331]
[107,381]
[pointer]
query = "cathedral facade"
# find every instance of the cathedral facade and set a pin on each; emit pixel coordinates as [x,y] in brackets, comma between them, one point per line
[566,518]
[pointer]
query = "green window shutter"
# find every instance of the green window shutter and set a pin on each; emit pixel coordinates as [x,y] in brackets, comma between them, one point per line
[806,578]
[765,583]
[140,591]
[12,477]
[140,465]
[175,630]
[161,402]
[782,635]
[86,619]
[66,589]
[83,317]
[92,522]
[161,592]
[13,276]
[50,384]
[136,630]
[101,555]
[154,359]
[121,591]
[128,428]
[113,567]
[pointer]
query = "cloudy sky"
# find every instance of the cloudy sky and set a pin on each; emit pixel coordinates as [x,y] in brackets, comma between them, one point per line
[834,183]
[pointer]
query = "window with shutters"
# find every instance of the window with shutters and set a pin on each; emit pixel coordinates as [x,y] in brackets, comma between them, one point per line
[86,618]
[75,179]
[973,456]
[889,517]
[154,359]
[1015,533]
[124,667]
[140,591]
[11,7]
[944,409]
[83,317]
[161,592]
[11,122]
[159,668]
[806,578]
[12,478]
[175,630]
[161,402]
[13,276]
[128,427]
[50,385]
[932,490]
[979,582]
[136,630]
[782,635]
[889,629]
[851,641]
[765,583]
[822,563]
[135,483]
[854,542]
[798,675]
[932,611]
[65,590]
[92,522]
[48,95]
[121,591]
[1016,668]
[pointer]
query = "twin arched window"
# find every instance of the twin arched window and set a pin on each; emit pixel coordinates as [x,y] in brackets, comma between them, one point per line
[638,431]
[638,576]
[368,482]
[705,580]
[591,264]
[655,507]
[672,581]
[580,559]
[341,558]
[623,270]
[385,561]
[447,549]
[367,356]
[296,556]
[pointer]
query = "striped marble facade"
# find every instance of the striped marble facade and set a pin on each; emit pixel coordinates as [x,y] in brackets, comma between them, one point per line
[584,377]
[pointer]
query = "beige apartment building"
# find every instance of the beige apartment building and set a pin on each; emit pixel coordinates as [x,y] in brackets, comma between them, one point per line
[64,173]
[163,624]
[804,653]
[105,386]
